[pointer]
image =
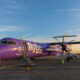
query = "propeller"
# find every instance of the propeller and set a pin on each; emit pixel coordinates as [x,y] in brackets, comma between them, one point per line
[63,44]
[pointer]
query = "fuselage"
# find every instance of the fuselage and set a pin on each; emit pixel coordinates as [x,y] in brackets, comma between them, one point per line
[14,48]
[11,48]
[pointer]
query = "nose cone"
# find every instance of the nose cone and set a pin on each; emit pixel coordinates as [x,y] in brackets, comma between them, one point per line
[1,51]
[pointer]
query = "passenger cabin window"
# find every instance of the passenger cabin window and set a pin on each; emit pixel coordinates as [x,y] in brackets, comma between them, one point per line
[7,43]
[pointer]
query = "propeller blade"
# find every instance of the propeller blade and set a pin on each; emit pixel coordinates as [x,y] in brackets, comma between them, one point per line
[63,39]
[65,36]
[57,40]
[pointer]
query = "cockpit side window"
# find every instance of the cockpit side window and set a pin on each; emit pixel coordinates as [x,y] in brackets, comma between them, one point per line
[3,42]
[7,43]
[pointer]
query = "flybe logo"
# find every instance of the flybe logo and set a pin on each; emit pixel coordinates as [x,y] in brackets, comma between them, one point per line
[35,48]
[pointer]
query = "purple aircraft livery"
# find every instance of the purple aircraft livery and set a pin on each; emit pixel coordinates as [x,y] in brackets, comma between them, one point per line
[15,48]
[11,48]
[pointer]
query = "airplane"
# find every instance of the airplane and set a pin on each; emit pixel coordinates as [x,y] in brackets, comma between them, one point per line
[11,48]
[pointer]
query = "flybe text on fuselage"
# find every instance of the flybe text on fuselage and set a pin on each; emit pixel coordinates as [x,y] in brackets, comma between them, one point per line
[35,48]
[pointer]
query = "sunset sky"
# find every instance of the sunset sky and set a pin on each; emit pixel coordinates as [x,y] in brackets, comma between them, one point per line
[39,20]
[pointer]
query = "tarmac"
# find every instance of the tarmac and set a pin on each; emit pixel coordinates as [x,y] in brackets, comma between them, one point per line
[46,68]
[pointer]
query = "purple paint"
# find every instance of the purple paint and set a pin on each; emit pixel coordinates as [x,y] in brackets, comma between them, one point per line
[34,49]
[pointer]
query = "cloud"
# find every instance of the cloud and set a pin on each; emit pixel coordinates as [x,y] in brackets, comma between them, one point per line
[10,1]
[10,28]
[26,35]
[2,36]
[73,32]
[44,39]
[12,4]
[11,7]
[77,30]
[40,39]
[49,38]
[69,10]
[11,31]
[69,31]
[10,12]
[15,7]
[20,6]
[73,38]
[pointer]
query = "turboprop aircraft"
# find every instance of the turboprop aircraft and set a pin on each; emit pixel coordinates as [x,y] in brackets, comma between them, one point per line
[11,48]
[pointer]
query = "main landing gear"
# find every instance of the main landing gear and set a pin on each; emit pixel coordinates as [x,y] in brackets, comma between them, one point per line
[69,57]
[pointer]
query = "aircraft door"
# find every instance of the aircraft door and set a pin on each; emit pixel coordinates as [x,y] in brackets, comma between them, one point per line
[25,49]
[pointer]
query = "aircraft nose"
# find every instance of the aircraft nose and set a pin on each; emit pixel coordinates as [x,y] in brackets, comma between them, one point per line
[1,52]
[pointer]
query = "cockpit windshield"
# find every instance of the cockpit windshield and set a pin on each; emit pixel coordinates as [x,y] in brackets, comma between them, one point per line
[7,43]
